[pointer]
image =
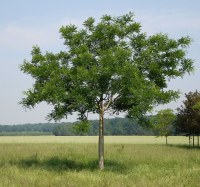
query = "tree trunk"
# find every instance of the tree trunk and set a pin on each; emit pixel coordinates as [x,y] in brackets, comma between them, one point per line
[198,140]
[101,136]
[166,140]
[193,140]
[189,140]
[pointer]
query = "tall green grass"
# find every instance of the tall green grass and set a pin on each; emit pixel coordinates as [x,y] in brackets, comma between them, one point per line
[76,164]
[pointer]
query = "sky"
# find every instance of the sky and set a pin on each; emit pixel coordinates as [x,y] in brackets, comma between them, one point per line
[36,22]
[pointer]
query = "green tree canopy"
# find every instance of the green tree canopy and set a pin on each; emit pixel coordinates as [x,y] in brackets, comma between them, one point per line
[109,65]
[188,117]
[163,122]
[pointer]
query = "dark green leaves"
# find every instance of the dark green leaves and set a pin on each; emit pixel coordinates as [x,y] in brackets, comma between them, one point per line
[109,65]
[188,117]
[82,126]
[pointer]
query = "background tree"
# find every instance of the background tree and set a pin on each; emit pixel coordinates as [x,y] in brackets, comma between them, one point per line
[163,122]
[109,65]
[82,127]
[188,117]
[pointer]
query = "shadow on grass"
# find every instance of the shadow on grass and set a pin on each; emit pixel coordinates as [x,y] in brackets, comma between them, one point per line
[184,146]
[61,164]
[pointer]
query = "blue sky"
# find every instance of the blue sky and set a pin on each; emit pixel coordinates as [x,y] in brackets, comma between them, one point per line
[26,23]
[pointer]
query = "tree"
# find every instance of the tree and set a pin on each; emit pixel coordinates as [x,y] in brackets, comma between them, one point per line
[163,122]
[188,117]
[107,66]
[63,130]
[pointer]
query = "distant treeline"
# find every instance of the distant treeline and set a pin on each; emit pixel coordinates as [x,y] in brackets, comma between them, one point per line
[28,129]
[116,126]
[25,133]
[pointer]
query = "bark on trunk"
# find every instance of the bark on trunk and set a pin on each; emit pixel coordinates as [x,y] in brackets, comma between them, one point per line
[101,137]
[166,140]
[193,140]
[189,140]
[198,141]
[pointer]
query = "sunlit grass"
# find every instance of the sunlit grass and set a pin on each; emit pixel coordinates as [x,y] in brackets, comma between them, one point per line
[94,139]
[47,162]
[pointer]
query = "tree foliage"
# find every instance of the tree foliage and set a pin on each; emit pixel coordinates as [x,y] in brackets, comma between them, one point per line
[188,117]
[82,127]
[112,61]
[163,122]
[113,126]
[39,127]
[107,66]
[116,126]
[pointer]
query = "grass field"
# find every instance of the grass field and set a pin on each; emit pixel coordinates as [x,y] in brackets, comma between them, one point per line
[94,139]
[72,161]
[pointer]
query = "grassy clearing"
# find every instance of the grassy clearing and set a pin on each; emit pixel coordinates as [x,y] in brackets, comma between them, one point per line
[94,139]
[75,164]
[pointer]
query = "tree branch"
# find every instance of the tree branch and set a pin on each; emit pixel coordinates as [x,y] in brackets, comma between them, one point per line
[106,106]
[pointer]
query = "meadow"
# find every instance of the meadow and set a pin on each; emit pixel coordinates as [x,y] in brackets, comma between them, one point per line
[72,161]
